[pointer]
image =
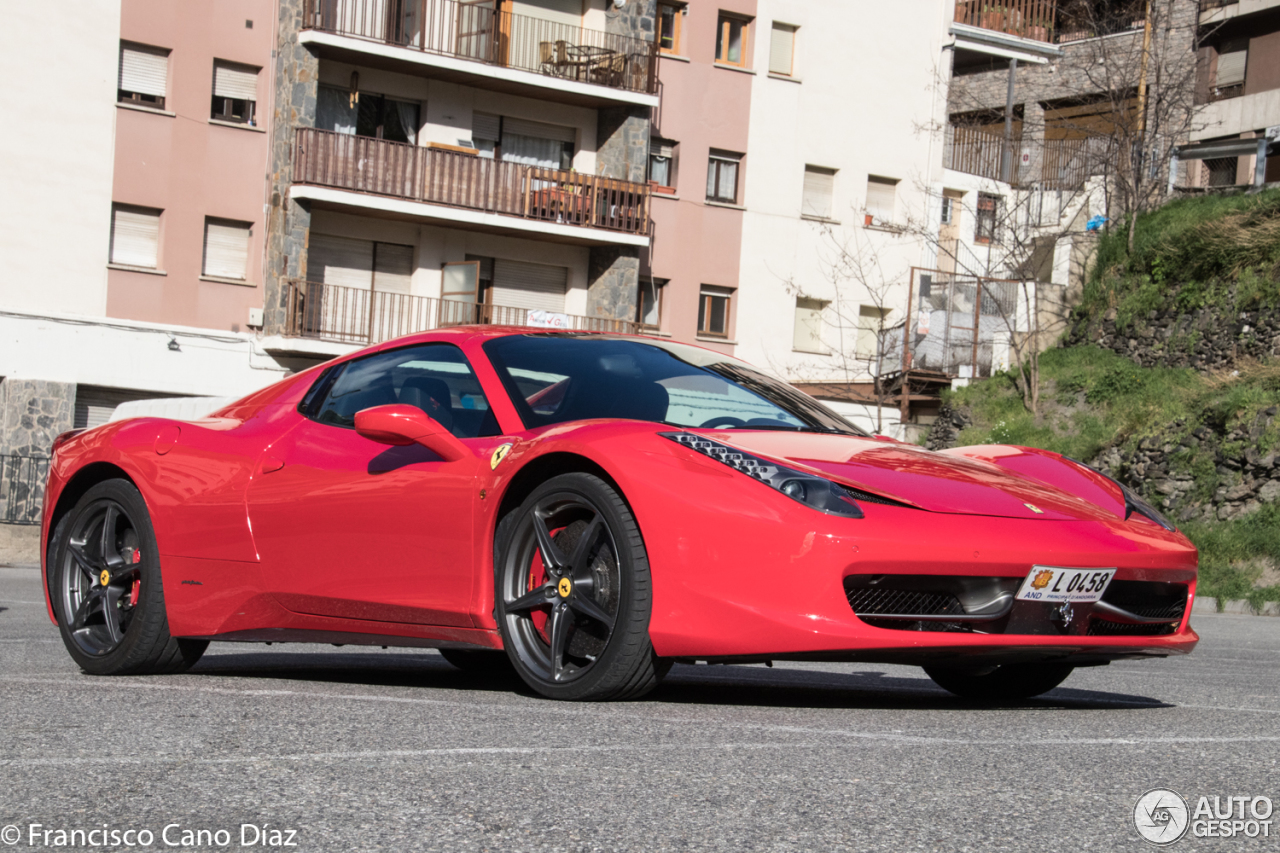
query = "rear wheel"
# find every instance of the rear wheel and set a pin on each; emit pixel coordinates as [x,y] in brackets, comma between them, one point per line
[104,572]
[1002,683]
[573,593]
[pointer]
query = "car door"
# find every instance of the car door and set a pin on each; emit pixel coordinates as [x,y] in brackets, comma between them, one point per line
[351,528]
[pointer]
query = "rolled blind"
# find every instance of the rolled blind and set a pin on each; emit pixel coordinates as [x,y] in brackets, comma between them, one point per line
[341,261]
[662,149]
[818,185]
[781,46]
[392,267]
[485,126]
[226,248]
[534,286]
[1231,67]
[135,236]
[807,336]
[539,130]
[231,80]
[880,196]
[144,70]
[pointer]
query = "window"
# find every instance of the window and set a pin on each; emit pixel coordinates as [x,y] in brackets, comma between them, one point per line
[235,91]
[226,248]
[713,311]
[722,177]
[144,75]
[818,186]
[436,378]
[1233,57]
[986,215]
[870,321]
[948,209]
[808,327]
[782,44]
[366,114]
[553,379]
[669,21]
[731,40]
[881,196]
[529,143]
[649,302]
[662,163]
[135,236]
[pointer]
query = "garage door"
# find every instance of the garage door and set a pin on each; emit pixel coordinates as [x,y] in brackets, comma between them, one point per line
[95,404]
[533,286]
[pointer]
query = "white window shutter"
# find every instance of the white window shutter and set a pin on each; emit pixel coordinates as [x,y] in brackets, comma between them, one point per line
[534,286]
[1231,68]
[781,49]
[135,236]
[881,194]
[392,268]
[818,184]
[226,248]
[232,80]
[144,70]
[485,126]
[808,327]
[538,129]
[340,261]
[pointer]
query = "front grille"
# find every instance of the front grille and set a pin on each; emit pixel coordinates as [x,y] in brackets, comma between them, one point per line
[1104,628]
[878,601]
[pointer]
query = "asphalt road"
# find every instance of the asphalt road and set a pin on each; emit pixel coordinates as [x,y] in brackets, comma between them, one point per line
[364,749]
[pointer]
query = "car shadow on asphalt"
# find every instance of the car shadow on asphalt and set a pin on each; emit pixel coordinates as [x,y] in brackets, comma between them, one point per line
[685,685]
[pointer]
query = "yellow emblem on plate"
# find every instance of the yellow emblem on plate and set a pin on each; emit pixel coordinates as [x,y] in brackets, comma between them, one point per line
[499,453]
[1041,580]
[564,587]
[1034,509]
[104,578]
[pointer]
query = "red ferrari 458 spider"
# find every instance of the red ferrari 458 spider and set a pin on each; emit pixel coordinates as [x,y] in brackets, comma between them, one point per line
[588,509]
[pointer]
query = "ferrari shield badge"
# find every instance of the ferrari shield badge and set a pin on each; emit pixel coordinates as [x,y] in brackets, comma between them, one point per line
[1037,510]
[1042,578]
[499,453]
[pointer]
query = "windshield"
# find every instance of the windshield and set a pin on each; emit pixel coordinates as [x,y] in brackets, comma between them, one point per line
[553,378]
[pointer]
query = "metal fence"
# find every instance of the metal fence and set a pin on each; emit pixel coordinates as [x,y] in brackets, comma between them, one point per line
[439,176]
[478,32]
[953,323]
[22,481]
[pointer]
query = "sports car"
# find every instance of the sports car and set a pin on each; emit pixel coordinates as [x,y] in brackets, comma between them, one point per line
[588,509]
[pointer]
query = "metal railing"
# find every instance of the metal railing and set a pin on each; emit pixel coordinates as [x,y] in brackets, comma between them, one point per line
[330,312]
[478,32]
[22,481]
[976,151]
[459,179]
[1032,19]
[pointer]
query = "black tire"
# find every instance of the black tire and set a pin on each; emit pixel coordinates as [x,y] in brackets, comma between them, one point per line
[119,627]
[1006,683]
[573,553]
[478,661]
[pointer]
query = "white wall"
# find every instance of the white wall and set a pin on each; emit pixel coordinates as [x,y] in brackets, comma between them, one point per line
[870,88]
[55,218]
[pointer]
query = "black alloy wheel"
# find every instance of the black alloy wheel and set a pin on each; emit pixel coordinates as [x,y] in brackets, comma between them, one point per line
[1007,683]
[574,593]
[105,585]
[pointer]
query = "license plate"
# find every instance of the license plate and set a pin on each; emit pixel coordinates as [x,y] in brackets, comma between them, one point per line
[1047,583]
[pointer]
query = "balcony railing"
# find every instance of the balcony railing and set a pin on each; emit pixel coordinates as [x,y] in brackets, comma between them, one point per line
[477,32]
[354,315]
[1031,19]
[439,176]
[980,152]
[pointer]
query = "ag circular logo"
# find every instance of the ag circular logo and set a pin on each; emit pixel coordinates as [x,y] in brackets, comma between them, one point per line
[1161,816]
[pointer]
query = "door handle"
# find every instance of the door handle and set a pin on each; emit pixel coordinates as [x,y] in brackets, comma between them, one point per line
[271,463]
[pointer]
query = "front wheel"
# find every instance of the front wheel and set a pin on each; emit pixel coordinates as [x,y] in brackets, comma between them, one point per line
[104,572]
[573,593]
[1006,683]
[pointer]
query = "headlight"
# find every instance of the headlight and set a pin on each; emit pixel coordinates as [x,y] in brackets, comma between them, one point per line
[814,492]
[1133,502]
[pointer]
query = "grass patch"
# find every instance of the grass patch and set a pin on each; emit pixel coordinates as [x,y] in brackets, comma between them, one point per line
[1233,555]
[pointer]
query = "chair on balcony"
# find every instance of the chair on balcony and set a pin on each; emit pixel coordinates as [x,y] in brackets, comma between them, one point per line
[553,58]
[610,70]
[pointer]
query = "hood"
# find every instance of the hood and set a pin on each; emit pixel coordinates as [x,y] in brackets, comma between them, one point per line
[910,474]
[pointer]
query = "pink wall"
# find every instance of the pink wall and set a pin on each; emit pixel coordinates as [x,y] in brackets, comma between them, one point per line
[190,168]
[703,107]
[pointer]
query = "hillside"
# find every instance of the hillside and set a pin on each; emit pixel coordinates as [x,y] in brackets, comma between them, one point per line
[1169,382]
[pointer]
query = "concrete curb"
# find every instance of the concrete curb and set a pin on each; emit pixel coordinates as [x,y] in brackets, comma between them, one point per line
[1209,606]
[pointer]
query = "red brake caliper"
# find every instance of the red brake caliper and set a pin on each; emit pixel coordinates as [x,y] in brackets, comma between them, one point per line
[137,582]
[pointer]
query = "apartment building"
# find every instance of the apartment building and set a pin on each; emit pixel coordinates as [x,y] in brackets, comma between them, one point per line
[437,163]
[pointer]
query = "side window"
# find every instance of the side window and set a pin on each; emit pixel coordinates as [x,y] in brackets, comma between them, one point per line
[435,378]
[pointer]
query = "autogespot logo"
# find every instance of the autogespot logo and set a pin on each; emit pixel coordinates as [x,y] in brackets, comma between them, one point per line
[1161,816]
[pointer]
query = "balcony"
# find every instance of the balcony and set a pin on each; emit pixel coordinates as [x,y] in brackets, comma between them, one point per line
[1028,19]
[473,43]
[449,187]
[1064,164]
[353,315]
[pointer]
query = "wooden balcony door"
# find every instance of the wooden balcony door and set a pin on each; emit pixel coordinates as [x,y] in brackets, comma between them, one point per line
[477,27]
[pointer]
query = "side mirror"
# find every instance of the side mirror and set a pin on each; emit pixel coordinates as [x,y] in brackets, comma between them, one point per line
[403,425]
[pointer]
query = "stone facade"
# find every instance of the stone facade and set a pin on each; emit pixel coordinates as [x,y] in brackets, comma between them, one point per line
[1210,339]
[614,273]
[297,73]
[32,414]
